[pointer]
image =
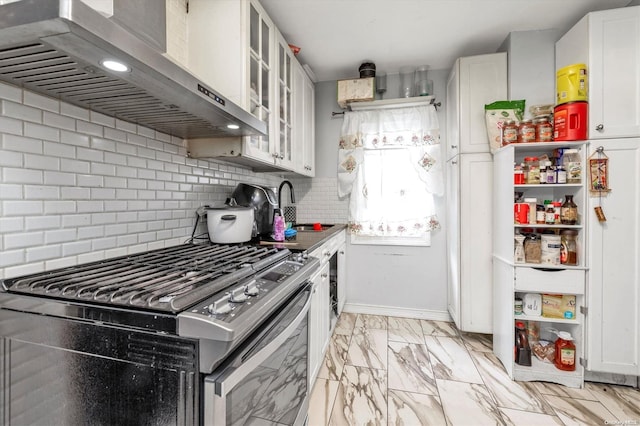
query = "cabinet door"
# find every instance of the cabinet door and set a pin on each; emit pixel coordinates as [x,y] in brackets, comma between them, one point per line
[284,111]
[613,329]
[614,68]
[261,79]
[342,276]
[303,122]
[453,113]
[318,321]
[453,238]
[483,80]
[476,216]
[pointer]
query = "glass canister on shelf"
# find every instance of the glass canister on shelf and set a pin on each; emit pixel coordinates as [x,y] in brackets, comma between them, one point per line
[573,165]
[509,132]
[531,170]
[568,247]
[526,131]
[569,211]
[544,130]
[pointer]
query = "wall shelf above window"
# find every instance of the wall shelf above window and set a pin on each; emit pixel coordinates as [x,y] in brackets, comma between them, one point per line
[392,103]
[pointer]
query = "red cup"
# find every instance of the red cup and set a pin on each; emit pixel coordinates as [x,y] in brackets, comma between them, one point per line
[317,227]
[521,213]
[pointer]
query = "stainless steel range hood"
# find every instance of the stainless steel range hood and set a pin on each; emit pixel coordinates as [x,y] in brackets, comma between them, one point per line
[56,48]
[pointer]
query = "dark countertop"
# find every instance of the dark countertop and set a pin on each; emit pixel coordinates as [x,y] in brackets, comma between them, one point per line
[304,240]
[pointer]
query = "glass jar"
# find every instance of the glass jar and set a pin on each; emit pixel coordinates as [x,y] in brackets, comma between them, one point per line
[526,131]
[569,211]
[572,164]
[550,214]
[509,132]
[532,170]
[540,211]
[544,130]
[551,173]
[568,247]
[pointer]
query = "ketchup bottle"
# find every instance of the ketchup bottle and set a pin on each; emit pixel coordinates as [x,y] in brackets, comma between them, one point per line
[565,357]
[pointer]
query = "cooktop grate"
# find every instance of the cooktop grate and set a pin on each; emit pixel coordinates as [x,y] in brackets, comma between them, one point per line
[168,279]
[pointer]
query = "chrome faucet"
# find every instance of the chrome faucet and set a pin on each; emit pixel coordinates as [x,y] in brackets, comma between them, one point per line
[293,197]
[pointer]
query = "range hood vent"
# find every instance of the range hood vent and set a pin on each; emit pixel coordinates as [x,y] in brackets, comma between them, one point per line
[56,48]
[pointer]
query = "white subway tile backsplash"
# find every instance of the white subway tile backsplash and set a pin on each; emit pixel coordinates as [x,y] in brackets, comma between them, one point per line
[59,121]
[103,169]
[28,268]
[11,257]
[10,92]
[39,192]
[89,128]
[90,232]
[21,144]
[60,235]
[11,192]
[70,249]
[90,206]
[14,175]
[11,224]
[48,252]
[41,102]
[41,162]
[98,118]
[38,131]
[56,149]
[90,180]
[11,159]
[103,144]
[25,239]
[74,166]
[59,178]
[74,111]
[59,207]
[11,125]
[75,193]
[92,186]
[76,220]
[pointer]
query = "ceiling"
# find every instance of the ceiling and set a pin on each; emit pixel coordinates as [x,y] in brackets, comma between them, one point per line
[336,36]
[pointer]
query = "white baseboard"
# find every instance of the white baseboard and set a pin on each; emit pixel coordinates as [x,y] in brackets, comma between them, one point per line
[397,312]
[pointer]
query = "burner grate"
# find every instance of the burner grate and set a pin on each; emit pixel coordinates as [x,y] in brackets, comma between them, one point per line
[168,279]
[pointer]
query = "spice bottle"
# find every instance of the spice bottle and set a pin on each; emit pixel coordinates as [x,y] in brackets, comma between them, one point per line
[561,174]
[532,170]
[569,211]
[543,171]
[551,173]
[568,247]
[540,212]
[550,214]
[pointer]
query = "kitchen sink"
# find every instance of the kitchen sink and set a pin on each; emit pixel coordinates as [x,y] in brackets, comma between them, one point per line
[308,227]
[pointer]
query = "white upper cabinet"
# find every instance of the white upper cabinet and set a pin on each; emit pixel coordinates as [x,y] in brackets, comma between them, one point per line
[474,81]
[303,122]
[608,42]
[237,50]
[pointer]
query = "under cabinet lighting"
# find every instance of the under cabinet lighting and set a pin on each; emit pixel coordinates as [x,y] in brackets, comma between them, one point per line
[233,126]
[114,65]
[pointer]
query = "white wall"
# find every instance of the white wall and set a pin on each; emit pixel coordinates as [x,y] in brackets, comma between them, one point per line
[407,281]
[76,186]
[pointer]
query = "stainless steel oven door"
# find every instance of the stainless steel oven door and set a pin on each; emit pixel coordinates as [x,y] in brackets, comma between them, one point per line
[267,378]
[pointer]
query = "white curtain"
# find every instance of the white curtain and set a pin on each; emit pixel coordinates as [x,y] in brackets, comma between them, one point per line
[389,162]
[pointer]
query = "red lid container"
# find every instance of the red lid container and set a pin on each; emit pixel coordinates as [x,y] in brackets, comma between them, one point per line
[570,121]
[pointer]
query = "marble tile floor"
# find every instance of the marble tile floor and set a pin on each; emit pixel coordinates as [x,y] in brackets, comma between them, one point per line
[395,371]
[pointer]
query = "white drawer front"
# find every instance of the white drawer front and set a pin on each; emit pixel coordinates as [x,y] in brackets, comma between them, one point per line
[561,281]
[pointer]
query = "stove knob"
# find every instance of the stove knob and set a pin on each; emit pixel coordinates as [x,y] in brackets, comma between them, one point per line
[297,257]
[238,295]
[252,289]
[220,306]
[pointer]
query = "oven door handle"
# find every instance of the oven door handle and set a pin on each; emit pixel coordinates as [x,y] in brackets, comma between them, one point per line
[228,380]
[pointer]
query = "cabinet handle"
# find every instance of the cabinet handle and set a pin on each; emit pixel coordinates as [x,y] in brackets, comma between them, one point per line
[600,127]
[281,156]
[454,146]
[325,275]
[341,251]
[454,162]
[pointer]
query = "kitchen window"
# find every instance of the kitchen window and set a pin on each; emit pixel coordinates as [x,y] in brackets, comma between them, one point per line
[389,166]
